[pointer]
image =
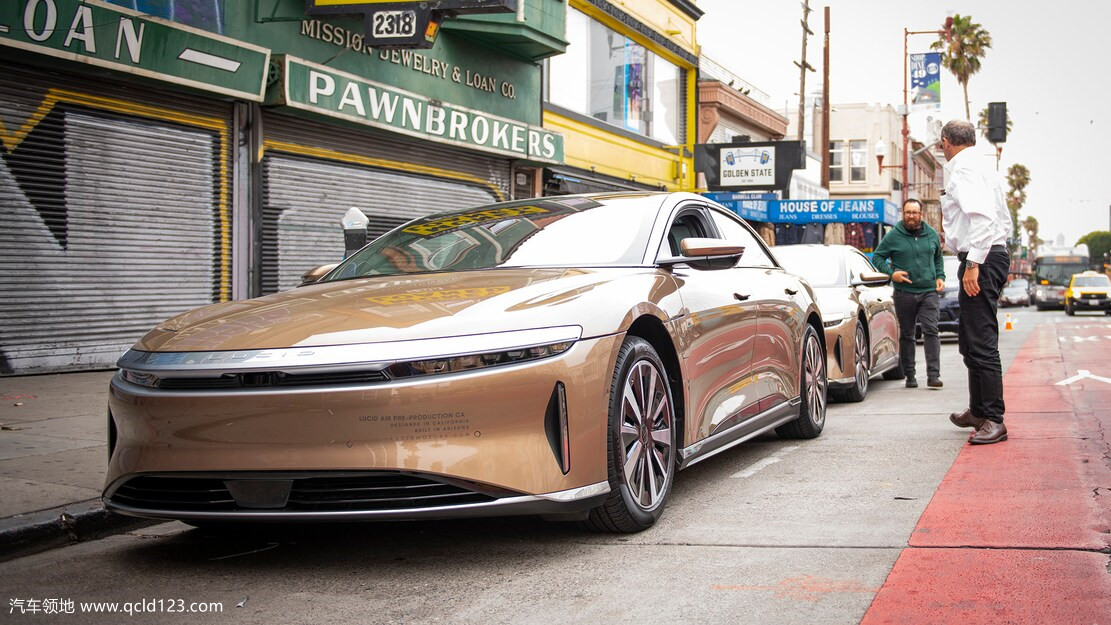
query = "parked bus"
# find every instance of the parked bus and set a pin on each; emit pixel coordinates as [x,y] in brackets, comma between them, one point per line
[1053,266]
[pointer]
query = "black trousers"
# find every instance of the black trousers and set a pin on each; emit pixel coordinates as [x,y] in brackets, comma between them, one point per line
[978,336]
[918,309]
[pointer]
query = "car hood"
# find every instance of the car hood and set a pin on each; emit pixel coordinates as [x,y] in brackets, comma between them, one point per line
[404,307]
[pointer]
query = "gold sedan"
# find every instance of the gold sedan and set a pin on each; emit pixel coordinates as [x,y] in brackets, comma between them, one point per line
[858,312]
[557,356]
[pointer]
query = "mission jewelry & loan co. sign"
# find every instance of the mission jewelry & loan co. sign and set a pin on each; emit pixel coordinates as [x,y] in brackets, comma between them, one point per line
[318,89]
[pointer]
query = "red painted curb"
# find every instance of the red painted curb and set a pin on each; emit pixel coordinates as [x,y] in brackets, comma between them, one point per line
[1014,532]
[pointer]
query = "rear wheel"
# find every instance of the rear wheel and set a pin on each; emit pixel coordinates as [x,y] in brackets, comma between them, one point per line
[642,442]
[862,362]
[895,373]
[812,388]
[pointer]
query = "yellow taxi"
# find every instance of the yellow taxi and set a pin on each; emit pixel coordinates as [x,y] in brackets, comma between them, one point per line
[1089,290]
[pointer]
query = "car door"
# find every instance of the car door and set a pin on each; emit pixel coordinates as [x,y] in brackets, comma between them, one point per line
[879,309]
[766,285]
[782,308]
[720,329]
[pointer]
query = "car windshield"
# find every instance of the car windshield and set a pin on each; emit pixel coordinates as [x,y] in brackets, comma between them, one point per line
[1091,281]
[1012,289]
[552,232]
[1018,283]
[821,266]
[952,266]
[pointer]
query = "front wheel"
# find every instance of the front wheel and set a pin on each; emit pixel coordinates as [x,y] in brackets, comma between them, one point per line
[812,389]
[861,362]
[1069,309]
[641,442]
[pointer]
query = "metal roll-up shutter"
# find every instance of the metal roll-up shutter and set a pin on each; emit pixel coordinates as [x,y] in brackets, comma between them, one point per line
[313,173]
[115,215]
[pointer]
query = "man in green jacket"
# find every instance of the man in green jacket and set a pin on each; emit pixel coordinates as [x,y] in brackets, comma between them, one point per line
[911,255]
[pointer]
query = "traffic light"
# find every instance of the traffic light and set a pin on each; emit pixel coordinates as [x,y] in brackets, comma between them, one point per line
[997,122]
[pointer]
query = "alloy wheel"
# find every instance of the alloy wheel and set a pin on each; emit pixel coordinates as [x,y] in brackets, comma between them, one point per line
[646,421]
[814,370]
[861,360]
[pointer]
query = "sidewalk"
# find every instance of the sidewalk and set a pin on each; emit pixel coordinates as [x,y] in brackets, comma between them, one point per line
[53,457]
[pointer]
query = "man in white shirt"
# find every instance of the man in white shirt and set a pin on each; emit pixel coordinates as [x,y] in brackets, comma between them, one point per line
[976,224]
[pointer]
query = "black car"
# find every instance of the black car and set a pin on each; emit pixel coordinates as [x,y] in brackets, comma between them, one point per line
[949,313]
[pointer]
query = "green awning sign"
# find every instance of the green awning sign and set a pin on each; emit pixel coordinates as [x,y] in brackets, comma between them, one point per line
[321,90]
[110,36]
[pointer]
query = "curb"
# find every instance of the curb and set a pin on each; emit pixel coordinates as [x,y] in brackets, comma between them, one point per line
[34,532]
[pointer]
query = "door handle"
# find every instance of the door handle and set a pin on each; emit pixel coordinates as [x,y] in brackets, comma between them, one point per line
[740,297]
[790,291]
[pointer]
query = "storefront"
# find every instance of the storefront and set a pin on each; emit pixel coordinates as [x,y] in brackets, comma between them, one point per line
[155,163]
[623,96]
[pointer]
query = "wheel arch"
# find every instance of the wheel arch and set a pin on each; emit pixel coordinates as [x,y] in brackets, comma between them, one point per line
[651,329]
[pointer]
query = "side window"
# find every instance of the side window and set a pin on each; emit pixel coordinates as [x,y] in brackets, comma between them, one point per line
[688,224]
[858,264]
[734,231]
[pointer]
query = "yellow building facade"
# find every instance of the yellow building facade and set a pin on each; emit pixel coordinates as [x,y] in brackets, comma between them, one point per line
[624,96]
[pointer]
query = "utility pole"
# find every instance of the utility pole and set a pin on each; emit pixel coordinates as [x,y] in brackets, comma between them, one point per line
[825,105]
[803,66]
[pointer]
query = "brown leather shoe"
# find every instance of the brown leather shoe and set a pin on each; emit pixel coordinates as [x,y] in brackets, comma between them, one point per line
[988,433]
[965,419]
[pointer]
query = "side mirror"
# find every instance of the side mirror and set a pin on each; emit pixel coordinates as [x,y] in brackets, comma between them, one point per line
[872,278]
[701,248]
[316,273]
[705,254]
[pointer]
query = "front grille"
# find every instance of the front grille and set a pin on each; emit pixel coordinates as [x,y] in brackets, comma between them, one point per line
[1092,295]
[315,493]
[269,379]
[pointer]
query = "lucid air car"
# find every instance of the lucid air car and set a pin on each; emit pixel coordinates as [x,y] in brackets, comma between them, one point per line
[1089,290]
[558,356]
[858,313]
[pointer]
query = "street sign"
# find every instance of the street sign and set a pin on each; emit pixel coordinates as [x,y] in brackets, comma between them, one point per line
[405,23]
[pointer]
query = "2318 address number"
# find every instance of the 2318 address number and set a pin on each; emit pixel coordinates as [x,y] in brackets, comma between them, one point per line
[389,24]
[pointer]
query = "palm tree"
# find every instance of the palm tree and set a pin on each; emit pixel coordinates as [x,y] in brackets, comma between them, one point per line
[1031,226]
[1018,176]
[968,43]
[983,122]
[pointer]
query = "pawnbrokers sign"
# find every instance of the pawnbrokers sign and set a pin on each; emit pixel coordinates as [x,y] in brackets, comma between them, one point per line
[748,166]
[318,89]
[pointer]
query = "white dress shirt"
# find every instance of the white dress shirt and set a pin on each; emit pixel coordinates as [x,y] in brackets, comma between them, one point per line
[973,209]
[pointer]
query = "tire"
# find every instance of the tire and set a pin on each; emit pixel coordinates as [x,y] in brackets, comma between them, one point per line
[640,476]
[861,368]
[1069,309]
[813,385]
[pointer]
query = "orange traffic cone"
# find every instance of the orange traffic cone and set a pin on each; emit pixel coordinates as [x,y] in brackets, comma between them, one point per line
[1009,326]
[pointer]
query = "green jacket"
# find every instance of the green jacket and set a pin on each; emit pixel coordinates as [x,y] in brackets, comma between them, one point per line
[919,256]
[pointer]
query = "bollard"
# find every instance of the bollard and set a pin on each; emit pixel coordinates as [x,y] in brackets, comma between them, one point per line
[354,231]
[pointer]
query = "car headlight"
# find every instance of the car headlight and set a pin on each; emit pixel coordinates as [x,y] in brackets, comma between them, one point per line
[139,378]
[476,361]
[834,319]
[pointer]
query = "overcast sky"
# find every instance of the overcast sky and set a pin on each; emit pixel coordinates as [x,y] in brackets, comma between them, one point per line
[1047,62]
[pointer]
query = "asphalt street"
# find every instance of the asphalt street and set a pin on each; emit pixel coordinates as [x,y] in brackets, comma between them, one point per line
[772,531]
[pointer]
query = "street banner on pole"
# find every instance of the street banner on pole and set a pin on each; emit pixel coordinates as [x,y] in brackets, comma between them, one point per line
[925,81]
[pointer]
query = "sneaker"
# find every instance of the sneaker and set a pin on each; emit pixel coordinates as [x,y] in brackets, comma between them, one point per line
[935,383]
[911,382]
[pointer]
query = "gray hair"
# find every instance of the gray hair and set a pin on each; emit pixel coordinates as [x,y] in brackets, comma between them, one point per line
[959,132]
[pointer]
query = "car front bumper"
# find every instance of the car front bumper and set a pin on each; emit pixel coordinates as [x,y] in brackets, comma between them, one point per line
[485,433]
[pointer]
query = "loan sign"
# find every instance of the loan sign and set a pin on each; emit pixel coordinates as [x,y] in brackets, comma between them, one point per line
[318,89]
[105,35]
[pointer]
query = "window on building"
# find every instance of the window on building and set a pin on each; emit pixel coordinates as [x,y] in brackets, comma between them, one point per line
[836,161]
[612,78]
[858,159]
